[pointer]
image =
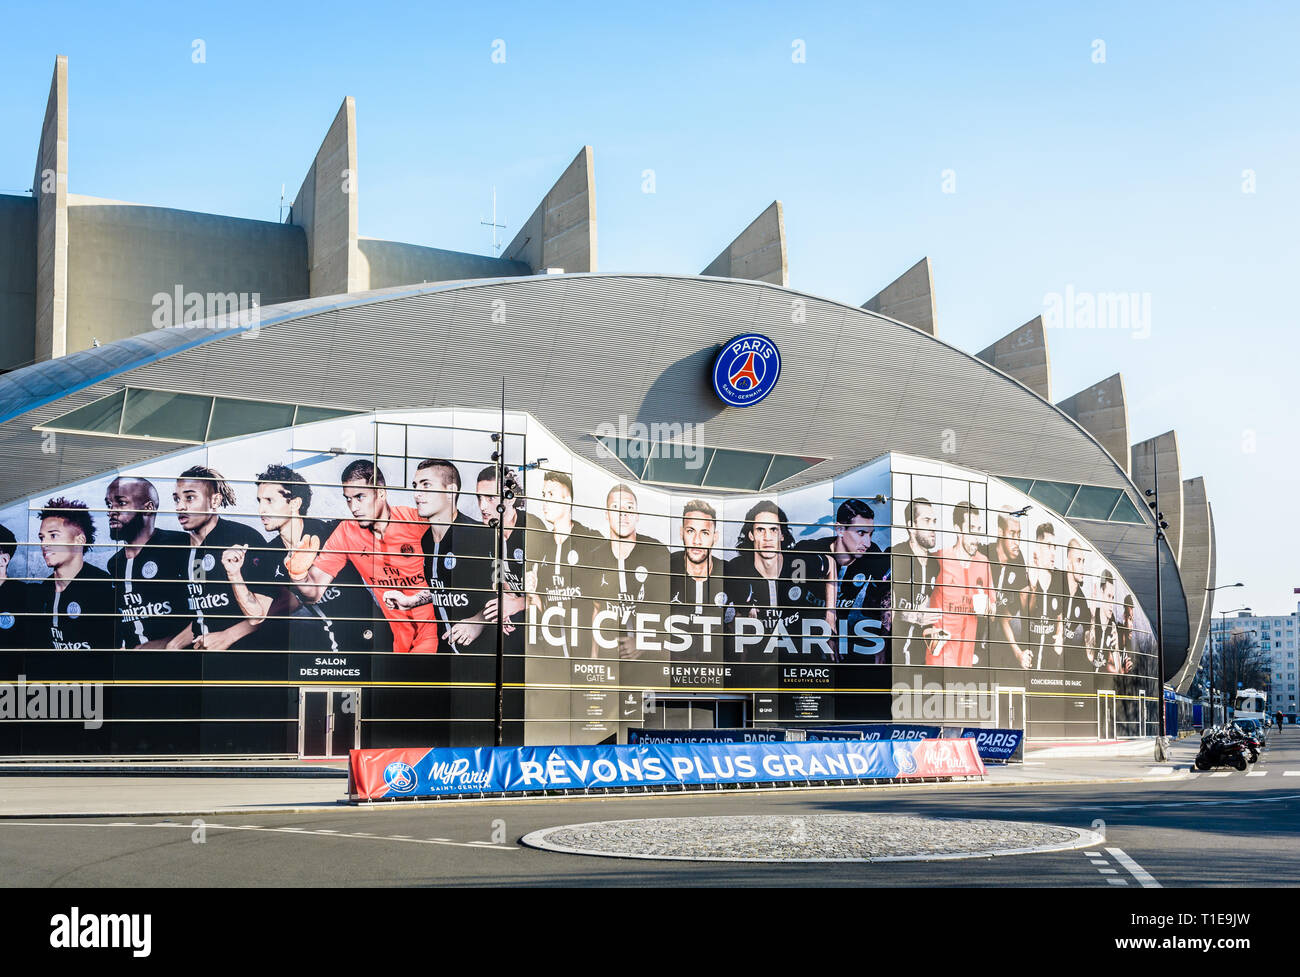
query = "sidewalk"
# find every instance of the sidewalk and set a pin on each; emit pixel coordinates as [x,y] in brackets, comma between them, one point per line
[210,788]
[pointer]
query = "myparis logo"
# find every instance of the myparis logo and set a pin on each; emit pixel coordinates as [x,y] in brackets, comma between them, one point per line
[746,370]
[400,777]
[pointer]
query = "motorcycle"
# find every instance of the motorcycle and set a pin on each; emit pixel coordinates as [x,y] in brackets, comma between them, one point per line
[1220,747]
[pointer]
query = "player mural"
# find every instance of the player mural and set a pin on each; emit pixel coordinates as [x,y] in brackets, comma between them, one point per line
[284,541]
[984,576]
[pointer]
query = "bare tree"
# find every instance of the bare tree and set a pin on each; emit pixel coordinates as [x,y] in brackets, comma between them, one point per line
[1240,663]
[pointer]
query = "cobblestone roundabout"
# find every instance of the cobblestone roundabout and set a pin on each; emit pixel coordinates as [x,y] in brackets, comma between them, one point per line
[810,838]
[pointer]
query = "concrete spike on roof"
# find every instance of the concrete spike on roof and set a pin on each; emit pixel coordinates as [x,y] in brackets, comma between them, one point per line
[50,191]
[909,298]
[1102,409]
[1022,354]
[327,209]
[561,233]
[1164,449]
[1197,568]
[758,252]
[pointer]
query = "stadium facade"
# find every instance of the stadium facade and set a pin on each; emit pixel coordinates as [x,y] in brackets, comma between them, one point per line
[259,529]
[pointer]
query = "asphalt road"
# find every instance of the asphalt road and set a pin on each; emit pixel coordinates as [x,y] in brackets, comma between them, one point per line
[1225,830]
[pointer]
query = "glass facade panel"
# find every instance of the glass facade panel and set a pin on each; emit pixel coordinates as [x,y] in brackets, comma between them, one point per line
[677,469]
[631,453]
[1054,495]
[235,417]
[161,414]
[101,417]
[1125,511]
[737,469]
[307,414]
[783,466]
[1093,502]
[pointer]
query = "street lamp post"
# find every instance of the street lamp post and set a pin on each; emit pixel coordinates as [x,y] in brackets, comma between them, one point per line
[1161,526]
[1211,591]
[507,487]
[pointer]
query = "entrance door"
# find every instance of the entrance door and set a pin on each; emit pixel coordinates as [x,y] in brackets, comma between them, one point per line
[697,712]
[1010,713]
[1106,716]
[329,722]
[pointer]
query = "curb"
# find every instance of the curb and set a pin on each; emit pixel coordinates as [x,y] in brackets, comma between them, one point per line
[101,770]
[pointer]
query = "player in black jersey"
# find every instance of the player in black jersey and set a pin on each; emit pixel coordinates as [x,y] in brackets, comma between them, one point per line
[1110,653]
[858,589]
[1007,643]
[458,555]
[74,605]
[221,552]
[1077,636]
[13,596]
[627,581]
[914,574]
[523,532]
[344,617]
[773,592]
[148,568]
[1044,602]
[556,621]
[696,585]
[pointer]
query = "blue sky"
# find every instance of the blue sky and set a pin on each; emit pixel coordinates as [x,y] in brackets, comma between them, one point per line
[1120,176]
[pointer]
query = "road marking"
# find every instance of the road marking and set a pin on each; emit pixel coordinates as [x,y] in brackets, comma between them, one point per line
[1162,770]
[1118,881]
[1258,773]
[1093,854]
[1222,773]
[1137,871]
[248,827]
[1108,871]
[1291,773]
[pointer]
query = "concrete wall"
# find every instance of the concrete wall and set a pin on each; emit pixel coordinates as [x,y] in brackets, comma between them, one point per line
[758,252]
[1022,353]
[1163,447]
[326,209]
[1197,566]
[50,188]
[561,233]
[122,255]
[17,281]
[909,298]
[388,263]
[1102,409]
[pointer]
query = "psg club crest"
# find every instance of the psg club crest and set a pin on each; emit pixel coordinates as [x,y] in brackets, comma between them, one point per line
[746,370]
[400,777]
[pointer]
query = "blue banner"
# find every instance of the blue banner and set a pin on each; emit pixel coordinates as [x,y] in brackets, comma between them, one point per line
[635,736]
[877,731]
[996,744]
[434,772]
[832,735]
